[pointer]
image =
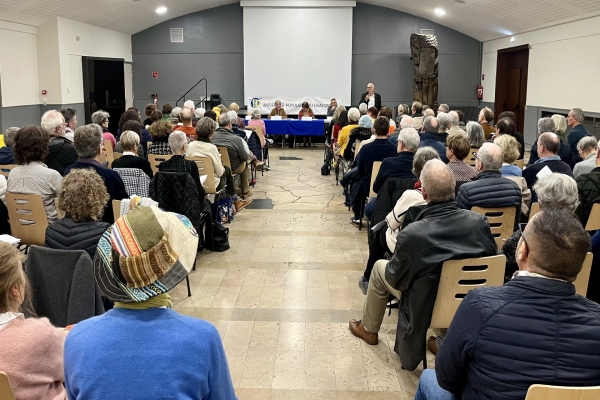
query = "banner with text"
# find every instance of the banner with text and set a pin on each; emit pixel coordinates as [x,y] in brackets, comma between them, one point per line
[291,105]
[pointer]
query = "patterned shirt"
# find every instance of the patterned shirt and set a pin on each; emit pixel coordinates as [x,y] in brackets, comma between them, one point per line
[37,178]
[159,148]
[462,172]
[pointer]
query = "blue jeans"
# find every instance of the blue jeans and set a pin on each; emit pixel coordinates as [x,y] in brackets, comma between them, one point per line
[429,389]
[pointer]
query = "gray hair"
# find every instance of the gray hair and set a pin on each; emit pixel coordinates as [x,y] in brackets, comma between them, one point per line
[428,112]
[475,134]
[557,191]
[490,155]
[338,110]
[407,122]
[129,139]
[99,117]
[189,104]
[199,112]
[51,119]
[232,116]
[403,109]
[445,108]
[363,108]
[578,115]
[560,122]
[430,124]
[256,114]
[545,125]
[9,136]
[177,140]
[175,112]
[353,114]
[205,127]
[68,113]
[277,102]
[88,139]
[423,155]
[410,138]
[438,181]
[224,119]
[454,119]
[443,122]
[586,144]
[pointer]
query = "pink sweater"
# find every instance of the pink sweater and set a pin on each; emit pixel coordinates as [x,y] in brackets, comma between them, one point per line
[261,123]
[31,354]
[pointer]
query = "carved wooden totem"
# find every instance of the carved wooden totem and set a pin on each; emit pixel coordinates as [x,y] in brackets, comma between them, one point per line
[424,53]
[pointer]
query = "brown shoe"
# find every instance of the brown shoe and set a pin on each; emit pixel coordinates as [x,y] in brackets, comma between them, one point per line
[358,330]
[432,345]
[248,193]
[241,204]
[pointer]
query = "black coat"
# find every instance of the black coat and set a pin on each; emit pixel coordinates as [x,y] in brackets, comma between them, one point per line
[61,154]
[66,234]
[359,134]
[530,173]
[531,330]
[441,232]
[133,162]
[377,100]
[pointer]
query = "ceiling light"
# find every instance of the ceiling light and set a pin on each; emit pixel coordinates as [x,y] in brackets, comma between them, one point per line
[161,10]
[512,39]
[439,11]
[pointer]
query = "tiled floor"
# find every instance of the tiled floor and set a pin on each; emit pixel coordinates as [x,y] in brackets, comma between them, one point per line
[282,296]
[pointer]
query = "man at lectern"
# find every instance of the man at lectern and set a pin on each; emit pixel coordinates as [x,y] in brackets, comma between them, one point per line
[370,98]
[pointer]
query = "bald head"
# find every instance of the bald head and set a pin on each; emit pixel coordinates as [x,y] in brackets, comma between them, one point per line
[407,122]
[437,182]
[185,116]
[548,144]
[490,157]
[430,124]
[454,119]
[370,88]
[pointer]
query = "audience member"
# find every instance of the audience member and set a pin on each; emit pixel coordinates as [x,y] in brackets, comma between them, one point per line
[443,125]
[510,153]
[475,134]
[517,135]
[461,120]
[344,135]
[31,175]
[31,349]
[506,126]
[130,159]
[405,122]
[252,144]
[564,152]
[166,111]
[101,118]
[417,115]
[278,111]
[239,121]
[578,131]
[439,232]
[548,145]
[256,120]
[147,326]
[428,112]
[88,144]
[359,136]
[372,112]
[156,116]
[186,119]
[403,110]
[82,198]
[136,127]
[587,148]
[199,113]
[148,111]
[61,152]
[486,119]
[70,122]
[455,124]
[175,112]
[428,137]
[457,149]
[341,120]
[160,131]
[401,165]
[134,115]
[443,108]
[588,186]
[523,323]
[560,122]
[6,152]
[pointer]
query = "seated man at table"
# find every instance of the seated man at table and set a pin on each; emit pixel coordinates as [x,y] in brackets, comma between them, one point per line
[278,111]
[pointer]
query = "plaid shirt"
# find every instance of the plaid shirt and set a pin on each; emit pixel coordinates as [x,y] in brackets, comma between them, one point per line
[462,172]
[159,148]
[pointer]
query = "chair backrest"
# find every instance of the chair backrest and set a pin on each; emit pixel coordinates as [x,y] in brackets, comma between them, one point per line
[155,161]
[224,156]
[519,163]
[460,276]
[535,208]
[6,392]
[5,169]
[583,278]
[470,160]
[357,148]
[259,132]
[108,151]
[117,155]
[593,222]
[205,167]
[374,172]
[116,206]
[28,219]
[502,221]
[546,392]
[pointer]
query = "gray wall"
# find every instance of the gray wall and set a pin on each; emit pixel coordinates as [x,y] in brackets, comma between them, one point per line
[21,116]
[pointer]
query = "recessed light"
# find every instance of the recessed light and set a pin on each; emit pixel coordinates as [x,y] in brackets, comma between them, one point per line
[512,39]
[439,11]
[161,10]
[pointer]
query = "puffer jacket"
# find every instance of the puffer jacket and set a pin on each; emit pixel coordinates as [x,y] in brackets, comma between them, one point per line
[253,141]
[61,154]
[66,234]
[588,186]
[357,134]
[439,233]
[531,330]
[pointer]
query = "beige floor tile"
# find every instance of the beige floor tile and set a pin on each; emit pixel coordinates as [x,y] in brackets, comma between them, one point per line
[381,375]
[338,279]
[276,278]
[258,369]
[226,297]
[294,297]
[350,371]
[343,340]
[279,255]
[317,298]
[236,360]
[340,299]
[221,327]
[213,277]
[238,335]
[318,337]
[289,370]
[296,278]
[249,296]
[255,277]
[292,336]
[203,296]
[264,336]
[319,370]
[317,279]
[272,297]
[234,277]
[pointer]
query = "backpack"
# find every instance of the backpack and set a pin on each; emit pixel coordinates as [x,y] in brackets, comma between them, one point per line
[326,169]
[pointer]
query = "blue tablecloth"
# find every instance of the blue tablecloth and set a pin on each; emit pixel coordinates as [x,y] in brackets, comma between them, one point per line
[316,127]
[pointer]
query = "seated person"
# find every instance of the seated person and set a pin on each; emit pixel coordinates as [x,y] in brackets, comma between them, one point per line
[132,114]
[457,149]
[344,134]
[130,141]
[136,127]
[401,165]
[429,137]
[101,118]
[251,144]
[372,112]
[186,116]
[510,152]
[32,350]
[306,111]
[257,121]
[548,145]
[440,232]
[587,148]
[587,184]
[278,111]
[564,150]
[31,175]
[359,136]
[202,147]
[177,163]
[148,328]
[532,330]
[82,198]
[160,131]
[6,152]
[88,144]
[506,126]
[61,152]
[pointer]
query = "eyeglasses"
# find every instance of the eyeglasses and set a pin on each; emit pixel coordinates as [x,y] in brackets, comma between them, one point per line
[474,155]
[522,226]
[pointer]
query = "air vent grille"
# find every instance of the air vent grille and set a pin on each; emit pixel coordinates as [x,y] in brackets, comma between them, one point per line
[176,35]
[427,32]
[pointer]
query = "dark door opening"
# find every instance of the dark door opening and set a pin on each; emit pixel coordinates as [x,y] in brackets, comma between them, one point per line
[511,82]
[104,88]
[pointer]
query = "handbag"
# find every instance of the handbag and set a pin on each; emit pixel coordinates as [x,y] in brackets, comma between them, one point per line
[220,238]
[326,169]
[225,210]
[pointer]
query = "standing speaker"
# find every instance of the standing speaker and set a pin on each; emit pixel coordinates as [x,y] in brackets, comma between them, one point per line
[215,100]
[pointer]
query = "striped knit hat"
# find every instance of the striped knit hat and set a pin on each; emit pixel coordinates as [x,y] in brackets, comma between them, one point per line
[145,253]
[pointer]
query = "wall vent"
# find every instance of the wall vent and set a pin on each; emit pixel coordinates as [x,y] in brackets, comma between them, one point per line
[423,32]
[176,35]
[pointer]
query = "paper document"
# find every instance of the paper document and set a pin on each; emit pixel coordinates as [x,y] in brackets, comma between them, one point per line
[248,117]
[248,133]
[276,117]
[203,178]
[307,118]
[544,172]
[9,239]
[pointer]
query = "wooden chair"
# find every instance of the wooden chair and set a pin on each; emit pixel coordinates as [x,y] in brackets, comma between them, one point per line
[502,221]
[357,149]
[155,161]
[520,164]
[28,219]
[583,278]
[116,206]
[593,222]
[225,157]
[535,208]
[376,167]
[5,169]
[116,155]
[470,160]
[6,392]
[261,136]
[547,392]
[108,152]
[206,167]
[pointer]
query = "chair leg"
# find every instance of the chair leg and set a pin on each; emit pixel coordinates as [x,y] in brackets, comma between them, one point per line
[187,280]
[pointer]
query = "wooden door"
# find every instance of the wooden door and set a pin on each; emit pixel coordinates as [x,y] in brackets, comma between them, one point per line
[511,83]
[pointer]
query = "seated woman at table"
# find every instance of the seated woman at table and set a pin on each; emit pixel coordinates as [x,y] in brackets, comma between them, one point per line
[306,112]
[278,111]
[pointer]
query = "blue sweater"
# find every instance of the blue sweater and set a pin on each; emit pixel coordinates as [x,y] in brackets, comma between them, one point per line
[146,354]
[369,153]
[576,134]
[399,166]
[430,139]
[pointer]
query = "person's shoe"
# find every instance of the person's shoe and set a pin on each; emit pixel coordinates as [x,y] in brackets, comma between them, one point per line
[363,284]
[270,141]
[252,182]
[355,221]
[248,193]
[432,345]
[241,204]
[358,330]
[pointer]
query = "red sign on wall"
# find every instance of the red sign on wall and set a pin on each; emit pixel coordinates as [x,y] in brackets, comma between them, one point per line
[155,74]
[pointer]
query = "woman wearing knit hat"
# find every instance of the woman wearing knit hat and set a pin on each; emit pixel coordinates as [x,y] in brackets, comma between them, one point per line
[142,348]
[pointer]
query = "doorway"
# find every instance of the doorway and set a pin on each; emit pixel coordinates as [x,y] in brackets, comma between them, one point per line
[511,82]
[104,88]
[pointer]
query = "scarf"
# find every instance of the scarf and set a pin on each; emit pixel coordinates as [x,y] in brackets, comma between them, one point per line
[162,300]
[418,185]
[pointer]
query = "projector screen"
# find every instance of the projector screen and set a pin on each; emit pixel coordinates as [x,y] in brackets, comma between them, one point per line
[295,53]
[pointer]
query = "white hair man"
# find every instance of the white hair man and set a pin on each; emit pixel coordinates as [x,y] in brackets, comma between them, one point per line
[405,122]
[362,108]
[455,124]
[370,98]
[190,105]
[575,121]
[6,151]
[443,108]
[587,148]
[401,165]
[199,113]
[61,152]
